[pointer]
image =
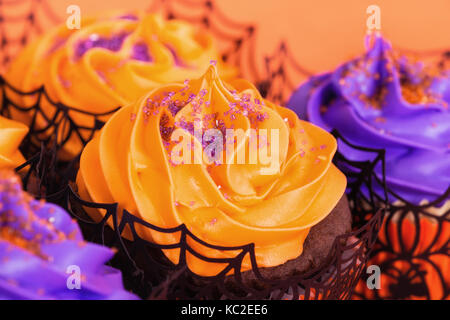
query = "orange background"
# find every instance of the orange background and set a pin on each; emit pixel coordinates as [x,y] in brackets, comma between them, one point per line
[320,33]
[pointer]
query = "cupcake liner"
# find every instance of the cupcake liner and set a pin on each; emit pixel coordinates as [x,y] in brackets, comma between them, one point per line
[413,251]
[148,272]
[42,175]
[60,125]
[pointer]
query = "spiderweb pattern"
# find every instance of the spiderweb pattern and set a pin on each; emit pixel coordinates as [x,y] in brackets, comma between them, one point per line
[275,75]
[20,21]
[59,129]
[413,252]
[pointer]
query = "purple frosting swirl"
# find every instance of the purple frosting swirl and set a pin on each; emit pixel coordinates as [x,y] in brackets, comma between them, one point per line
[140,52]
[39,242]
[382,100]
[113,43]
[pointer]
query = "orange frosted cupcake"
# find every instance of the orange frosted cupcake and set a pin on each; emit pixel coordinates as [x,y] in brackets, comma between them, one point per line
[106,64]
[231,166]
[11,135]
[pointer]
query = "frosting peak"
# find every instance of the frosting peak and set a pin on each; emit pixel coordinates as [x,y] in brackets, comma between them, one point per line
[384,100]
[11,135]
[176,168]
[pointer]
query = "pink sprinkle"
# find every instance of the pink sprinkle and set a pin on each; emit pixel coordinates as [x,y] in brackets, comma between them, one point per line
[213,221]
[133,116]
[323,146]
[186,82]
[176,203]
[213,62]
[192,203]
[65,83]
[102,75]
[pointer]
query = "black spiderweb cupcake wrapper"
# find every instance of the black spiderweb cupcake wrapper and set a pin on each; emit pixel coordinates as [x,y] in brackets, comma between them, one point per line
[150,274]
[413,251]
[60,118]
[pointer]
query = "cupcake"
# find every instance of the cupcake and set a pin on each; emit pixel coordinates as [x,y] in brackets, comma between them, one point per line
[11,135]
[232,167]
[389,101]
[42,249]
[106,64]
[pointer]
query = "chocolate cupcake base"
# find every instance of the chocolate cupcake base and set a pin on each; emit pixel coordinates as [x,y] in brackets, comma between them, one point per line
[316,248]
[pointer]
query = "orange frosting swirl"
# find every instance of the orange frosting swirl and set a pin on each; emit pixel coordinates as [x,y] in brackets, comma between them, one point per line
[11,135]
[230,204]
[108,63]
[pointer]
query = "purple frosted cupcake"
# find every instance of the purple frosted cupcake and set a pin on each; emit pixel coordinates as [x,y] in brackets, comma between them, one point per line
[43,254]
[386,101]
